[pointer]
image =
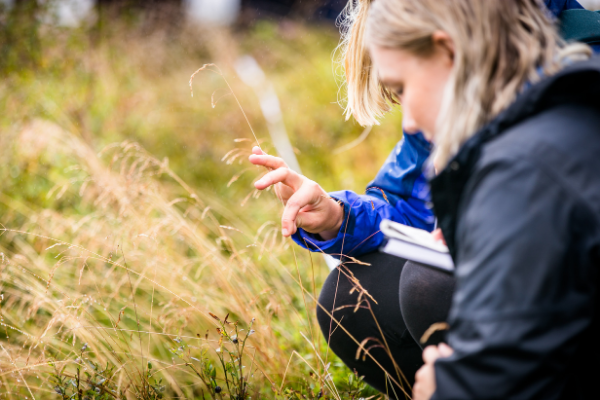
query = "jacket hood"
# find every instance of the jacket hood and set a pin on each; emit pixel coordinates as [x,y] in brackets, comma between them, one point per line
[578,83]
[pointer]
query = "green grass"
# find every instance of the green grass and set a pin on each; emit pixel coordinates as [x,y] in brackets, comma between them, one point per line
[123,235]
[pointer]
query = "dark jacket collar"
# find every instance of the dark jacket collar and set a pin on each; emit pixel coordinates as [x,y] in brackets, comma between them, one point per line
[577,83]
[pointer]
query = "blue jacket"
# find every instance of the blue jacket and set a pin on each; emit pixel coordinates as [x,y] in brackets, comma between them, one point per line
[399,192]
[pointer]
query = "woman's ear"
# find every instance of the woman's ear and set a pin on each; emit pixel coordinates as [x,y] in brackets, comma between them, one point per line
[442,41]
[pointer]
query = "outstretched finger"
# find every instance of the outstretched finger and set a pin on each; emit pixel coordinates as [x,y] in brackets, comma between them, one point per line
[303,197]
[258,151]
[280,175]
[267,161]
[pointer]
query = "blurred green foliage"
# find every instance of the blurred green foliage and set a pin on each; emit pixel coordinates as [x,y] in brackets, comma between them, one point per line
[127,79]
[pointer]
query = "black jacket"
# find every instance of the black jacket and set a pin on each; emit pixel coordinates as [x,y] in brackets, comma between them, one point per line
[519,207]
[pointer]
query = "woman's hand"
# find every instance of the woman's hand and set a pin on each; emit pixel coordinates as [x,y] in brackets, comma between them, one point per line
[425,377]
[307,205]
[438,236]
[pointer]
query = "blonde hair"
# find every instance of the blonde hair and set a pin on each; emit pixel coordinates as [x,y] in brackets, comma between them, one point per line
[499,47]
[366,99]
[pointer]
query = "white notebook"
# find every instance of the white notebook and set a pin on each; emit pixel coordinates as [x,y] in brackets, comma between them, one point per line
[415,245]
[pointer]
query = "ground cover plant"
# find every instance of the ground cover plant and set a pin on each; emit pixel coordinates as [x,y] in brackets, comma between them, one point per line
[136,261]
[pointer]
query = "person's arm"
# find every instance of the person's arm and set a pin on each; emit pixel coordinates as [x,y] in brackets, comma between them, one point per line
[523,299]
[399,192]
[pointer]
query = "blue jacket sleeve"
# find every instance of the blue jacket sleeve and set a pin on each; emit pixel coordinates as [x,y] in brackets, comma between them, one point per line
[399,192]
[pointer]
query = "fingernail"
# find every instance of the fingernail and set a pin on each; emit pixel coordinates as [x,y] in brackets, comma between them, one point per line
[284,232]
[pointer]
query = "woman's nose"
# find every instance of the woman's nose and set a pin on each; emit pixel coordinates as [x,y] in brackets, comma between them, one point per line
[408,123]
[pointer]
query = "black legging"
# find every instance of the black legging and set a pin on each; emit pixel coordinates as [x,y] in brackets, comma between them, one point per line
[410,298]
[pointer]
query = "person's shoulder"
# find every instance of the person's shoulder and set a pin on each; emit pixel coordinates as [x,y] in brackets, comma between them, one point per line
[560,145]
[568,131]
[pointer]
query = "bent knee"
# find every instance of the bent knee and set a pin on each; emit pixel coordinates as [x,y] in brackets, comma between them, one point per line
[338,305]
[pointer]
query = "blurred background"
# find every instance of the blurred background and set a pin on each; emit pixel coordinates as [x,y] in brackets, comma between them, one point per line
[127,210]
[118,69]
[591,4]
[126,203]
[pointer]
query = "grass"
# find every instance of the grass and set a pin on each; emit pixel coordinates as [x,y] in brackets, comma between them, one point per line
[129,267]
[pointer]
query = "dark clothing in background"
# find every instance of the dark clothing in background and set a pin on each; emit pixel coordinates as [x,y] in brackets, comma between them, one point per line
[410,298]
[558,6]
[311,9]
[519,207]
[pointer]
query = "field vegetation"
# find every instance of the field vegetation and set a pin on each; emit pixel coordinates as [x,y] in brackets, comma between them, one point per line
[136,260]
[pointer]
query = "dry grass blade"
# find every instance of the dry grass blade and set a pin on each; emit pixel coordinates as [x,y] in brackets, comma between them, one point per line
[354,143]
[214,68]
[438,326]
[178,263]
[206,67]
